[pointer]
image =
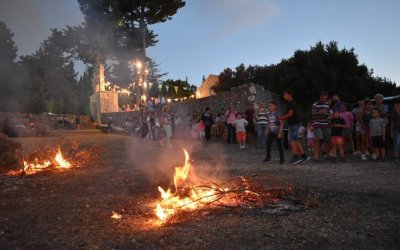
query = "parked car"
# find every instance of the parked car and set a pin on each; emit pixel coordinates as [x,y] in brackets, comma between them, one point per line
[389,101]
[19,127]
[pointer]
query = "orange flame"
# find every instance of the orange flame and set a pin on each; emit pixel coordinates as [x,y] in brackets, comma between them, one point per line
[36,165]
[170,203]
[182,173]
[61,161]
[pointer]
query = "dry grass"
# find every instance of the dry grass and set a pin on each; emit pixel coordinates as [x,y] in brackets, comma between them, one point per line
[359,202]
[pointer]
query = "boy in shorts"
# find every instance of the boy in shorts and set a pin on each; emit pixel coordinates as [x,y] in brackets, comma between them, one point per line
[293,121]
[377,132]
[240,125]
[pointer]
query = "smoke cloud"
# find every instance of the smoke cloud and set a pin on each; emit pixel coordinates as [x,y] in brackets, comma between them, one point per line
[158,163]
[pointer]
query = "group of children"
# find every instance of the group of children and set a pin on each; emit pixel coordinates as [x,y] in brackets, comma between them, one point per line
[330,131]
[274,131]
[371,128]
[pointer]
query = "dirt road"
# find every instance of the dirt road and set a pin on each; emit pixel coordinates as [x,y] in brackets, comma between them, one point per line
[359,202]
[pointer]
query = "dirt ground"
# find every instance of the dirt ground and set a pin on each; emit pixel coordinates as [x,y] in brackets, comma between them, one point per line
[359,202]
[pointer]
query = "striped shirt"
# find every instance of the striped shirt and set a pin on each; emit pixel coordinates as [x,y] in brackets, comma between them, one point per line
[167,118]
[320,115]
[262,117]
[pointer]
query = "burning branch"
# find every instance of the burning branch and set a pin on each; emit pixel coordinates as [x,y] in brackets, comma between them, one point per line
[47,159]
[263,191]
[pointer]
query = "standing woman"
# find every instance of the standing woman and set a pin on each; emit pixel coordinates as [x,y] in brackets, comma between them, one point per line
[261,125]
[365,118]
[166,118]
[230,120]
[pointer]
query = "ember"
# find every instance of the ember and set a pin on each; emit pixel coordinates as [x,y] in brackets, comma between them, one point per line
[35,166]
[116,215]
[240,192]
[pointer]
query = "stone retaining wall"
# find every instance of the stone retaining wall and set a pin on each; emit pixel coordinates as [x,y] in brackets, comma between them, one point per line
[239,97]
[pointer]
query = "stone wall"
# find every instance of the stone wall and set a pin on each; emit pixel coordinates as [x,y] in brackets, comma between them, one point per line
[239,97]
[119,117]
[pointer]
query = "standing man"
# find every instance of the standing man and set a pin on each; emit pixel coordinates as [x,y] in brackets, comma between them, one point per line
[206,117]
[320,121]
[293,120]
[336,104]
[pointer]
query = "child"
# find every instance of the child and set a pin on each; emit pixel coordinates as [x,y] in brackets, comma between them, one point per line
[302,133]
[195,125]
[274,132]
[310,136]
[202,129]
[348,131]
[395,131]
[377,131]
[215,128]
[240,125]
[337,132]
[365,118]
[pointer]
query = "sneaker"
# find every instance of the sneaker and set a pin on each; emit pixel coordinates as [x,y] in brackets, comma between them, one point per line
[356,153]
[367,153]
[303,159]
[267,160]
[294,160]
[363,157]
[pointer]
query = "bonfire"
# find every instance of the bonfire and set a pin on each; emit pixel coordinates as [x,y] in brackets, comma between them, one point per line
[46,159]
[263,192]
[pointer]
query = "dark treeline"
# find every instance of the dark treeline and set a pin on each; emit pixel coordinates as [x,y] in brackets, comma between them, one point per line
[114,32]
[45,81]
[307,72]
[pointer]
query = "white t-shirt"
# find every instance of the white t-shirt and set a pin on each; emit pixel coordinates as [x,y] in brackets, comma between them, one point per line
[302,131]
[240,125]
[310,134]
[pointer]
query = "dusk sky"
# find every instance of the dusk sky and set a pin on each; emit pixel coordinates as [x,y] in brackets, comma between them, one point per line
[207,36]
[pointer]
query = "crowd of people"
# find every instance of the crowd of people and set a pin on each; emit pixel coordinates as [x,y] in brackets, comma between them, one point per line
[333,131]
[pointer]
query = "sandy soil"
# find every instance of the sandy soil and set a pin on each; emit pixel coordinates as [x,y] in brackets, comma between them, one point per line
[359,202]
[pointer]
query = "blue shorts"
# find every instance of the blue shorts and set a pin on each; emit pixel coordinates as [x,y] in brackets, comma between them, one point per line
[294,132]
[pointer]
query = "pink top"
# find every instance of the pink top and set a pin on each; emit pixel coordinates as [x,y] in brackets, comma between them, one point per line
[230,117]
[348,118]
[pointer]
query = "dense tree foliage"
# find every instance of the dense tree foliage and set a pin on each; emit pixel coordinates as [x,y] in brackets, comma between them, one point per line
[121,30]
[11,74]
[114,32]
[131,17]
[307,72]
[51,81]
